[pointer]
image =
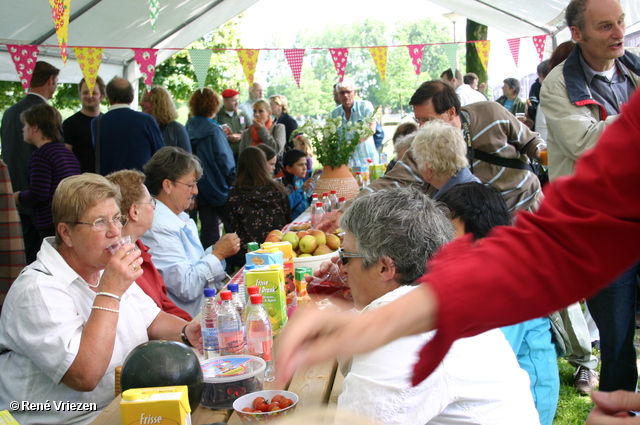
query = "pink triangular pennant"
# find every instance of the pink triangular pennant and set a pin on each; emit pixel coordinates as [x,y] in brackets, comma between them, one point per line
[340,57]
[514,46]
[539,41]
[24,58]
[146,58]
[294,59]
[415,51]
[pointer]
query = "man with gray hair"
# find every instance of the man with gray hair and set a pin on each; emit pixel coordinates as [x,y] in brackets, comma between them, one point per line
[510,99]
[479,381]
[352,110]
[255,93]
[123,138]
[580,98]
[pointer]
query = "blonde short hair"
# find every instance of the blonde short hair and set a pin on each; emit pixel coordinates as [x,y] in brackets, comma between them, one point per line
[280,100]
[131,187]
[263,103]
[441,147]
[76,194]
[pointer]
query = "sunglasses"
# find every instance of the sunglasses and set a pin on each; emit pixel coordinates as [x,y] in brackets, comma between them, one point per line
[344,256]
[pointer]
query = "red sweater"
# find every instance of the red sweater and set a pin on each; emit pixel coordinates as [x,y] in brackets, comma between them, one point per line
[152,284]
[585,234]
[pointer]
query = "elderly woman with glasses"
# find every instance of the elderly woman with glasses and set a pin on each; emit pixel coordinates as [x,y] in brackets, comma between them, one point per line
[187,268]
[139,206]
[75,313]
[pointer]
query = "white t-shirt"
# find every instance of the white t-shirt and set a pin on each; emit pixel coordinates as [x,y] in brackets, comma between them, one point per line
[468,95]
[478,382]
[42,322]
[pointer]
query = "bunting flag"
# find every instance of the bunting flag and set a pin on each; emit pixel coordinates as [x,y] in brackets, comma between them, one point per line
[514,46]
[60,13]
[89,59]
[200,59]
[154,9]
[539,41]
[294,59]
[24,58]
[415,51]
[483,48]
[146,59]
[249,60]
[340,57]
[379,55]
[451,50]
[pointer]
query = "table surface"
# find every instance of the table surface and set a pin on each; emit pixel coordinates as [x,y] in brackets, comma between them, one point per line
[316,386]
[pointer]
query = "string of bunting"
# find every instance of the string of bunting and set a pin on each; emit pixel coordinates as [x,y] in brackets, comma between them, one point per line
[89,58]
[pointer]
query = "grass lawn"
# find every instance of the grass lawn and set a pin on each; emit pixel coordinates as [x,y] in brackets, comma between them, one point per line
[574,408]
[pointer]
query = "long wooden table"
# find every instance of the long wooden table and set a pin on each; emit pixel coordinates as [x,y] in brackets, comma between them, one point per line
[318,386]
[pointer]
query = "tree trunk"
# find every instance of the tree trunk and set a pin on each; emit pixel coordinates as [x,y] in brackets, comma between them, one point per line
[475,31]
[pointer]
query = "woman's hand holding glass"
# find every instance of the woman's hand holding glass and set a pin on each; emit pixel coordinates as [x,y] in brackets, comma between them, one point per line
[122,270]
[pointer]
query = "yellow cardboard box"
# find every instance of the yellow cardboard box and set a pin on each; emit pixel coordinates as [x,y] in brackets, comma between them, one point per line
[154,406]
[7,418]
[271,284]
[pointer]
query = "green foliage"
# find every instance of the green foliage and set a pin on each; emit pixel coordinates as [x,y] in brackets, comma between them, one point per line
[476,31]
[573,408]
[177,75]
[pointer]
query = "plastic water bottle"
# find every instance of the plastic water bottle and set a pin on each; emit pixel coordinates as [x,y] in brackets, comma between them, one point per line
[236,298]
[318,214]
[209,324]
[333,197]
[341,201]
[230,335]
[314,201]
[259,335]
[359,180]
[326,202]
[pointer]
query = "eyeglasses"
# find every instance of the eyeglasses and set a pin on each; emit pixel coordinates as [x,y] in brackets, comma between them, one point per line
[102,224]
[422,121]
[343,92]
[152,202]
[344,256]
[190,186]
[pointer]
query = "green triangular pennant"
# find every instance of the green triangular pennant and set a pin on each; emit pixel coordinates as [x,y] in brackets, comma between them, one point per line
[200,60]
[451,50]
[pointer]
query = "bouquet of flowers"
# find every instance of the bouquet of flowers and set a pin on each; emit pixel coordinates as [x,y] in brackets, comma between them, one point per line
[334,142]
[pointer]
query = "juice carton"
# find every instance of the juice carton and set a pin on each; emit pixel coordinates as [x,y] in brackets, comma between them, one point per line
[289,281]
[301,284]
[161,405]
[271,284]
[7,418]
[245,269]
[264,257]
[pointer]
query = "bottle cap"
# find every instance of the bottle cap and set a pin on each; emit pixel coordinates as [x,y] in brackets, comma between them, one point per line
[315,195]
[252,290]
[369,160]
[333,192]
[256,299]
[358,172]
[325,194]
[342,199]
[318,204]
[225,295]
[209,292]
[252,246]
[233,287]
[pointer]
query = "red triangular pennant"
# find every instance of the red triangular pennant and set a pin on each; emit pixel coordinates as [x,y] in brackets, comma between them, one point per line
[340,57]
[294,58]
[415,51]
[539,41]
[24,58]
[514,46]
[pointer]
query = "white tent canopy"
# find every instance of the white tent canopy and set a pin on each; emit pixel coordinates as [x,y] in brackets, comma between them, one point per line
[110,23]
[125,23]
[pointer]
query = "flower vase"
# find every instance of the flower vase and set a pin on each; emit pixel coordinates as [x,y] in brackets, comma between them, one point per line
[339,179]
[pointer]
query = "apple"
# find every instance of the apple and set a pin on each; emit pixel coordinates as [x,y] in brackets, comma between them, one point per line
[322,249]
[308,244]
[302,233]
[274,236]
[333,242]
[320,236]
[305,255]
[292,238]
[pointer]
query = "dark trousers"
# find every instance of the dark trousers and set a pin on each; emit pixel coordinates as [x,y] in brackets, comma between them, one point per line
[210,219]
[31,236]
[614,311]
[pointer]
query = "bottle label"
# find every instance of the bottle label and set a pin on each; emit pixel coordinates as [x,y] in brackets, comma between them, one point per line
[261,348]
[210,339]
[231,343]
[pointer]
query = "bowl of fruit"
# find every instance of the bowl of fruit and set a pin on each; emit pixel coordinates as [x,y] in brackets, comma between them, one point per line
[265,406]
[311,247]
